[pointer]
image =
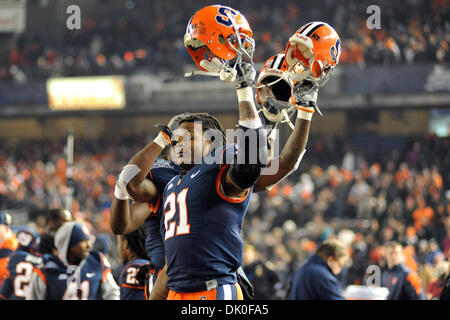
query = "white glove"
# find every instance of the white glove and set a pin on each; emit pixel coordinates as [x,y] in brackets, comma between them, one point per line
[305,94]
[245,76]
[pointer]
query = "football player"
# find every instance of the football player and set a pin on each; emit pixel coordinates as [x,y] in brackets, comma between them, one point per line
[288,158]
[131,248]
[8,243]
[237,182]
[76,273]
[20,266]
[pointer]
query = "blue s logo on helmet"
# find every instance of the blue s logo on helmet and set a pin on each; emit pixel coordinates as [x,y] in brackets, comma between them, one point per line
[335,50]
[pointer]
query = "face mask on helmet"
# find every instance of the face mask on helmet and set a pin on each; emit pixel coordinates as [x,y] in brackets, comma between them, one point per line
[217,38]
[316,46]
[274,89]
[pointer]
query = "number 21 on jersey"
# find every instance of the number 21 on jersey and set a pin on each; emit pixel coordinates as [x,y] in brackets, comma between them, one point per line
[172,201]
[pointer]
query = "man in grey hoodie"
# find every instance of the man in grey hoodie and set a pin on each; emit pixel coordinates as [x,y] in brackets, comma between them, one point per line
[76,273]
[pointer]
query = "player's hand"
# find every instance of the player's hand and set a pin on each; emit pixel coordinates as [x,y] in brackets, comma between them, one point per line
[168,130]
[305,94]
[144,273]
[245,75]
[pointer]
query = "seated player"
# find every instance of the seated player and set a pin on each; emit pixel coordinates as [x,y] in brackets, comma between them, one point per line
[20,266]
[76,273]
[131,248]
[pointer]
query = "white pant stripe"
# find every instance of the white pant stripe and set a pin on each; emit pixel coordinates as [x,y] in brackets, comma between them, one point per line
[227,294]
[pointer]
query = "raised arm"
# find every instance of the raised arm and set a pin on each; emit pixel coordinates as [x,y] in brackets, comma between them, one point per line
[125,218]
[132,184]
[134,173]
[293,150]
[288,160]
[243,173]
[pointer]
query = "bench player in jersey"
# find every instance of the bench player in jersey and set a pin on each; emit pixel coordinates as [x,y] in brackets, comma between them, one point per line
[76,273]
[131,248]
[20,266]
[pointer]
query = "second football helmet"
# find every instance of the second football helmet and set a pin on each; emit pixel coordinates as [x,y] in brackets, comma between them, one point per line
[274,88]
[317,47]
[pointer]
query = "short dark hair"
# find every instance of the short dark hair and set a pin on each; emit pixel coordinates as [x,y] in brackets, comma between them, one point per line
[208,122]
[136,242]
[331,248]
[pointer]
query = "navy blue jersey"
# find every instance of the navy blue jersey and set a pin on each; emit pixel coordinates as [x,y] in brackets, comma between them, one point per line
[61,283]
[130,289]
[20,268]
[161,173]
[201,228]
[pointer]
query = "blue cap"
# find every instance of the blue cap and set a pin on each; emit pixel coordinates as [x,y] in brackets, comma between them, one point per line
[79,233]
[5,218]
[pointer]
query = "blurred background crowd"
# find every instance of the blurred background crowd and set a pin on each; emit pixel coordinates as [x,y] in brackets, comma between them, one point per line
[374,169]
[363,197]
[147,36]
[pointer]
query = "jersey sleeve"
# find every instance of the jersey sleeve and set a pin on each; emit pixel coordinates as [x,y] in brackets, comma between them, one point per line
[161,173]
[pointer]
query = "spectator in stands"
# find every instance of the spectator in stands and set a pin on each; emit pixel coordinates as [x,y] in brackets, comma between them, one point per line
[434,288]
[403,283]
[263,279]
[316,279]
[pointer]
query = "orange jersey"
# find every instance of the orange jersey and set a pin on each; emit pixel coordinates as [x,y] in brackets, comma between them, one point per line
[6,249]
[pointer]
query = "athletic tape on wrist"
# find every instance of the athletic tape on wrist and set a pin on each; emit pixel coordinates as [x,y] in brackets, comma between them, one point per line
[251,124]
[245,94]
[162,139]
[119,194]
[304,113]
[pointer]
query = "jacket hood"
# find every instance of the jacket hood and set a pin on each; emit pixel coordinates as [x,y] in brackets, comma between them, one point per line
[62,239]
